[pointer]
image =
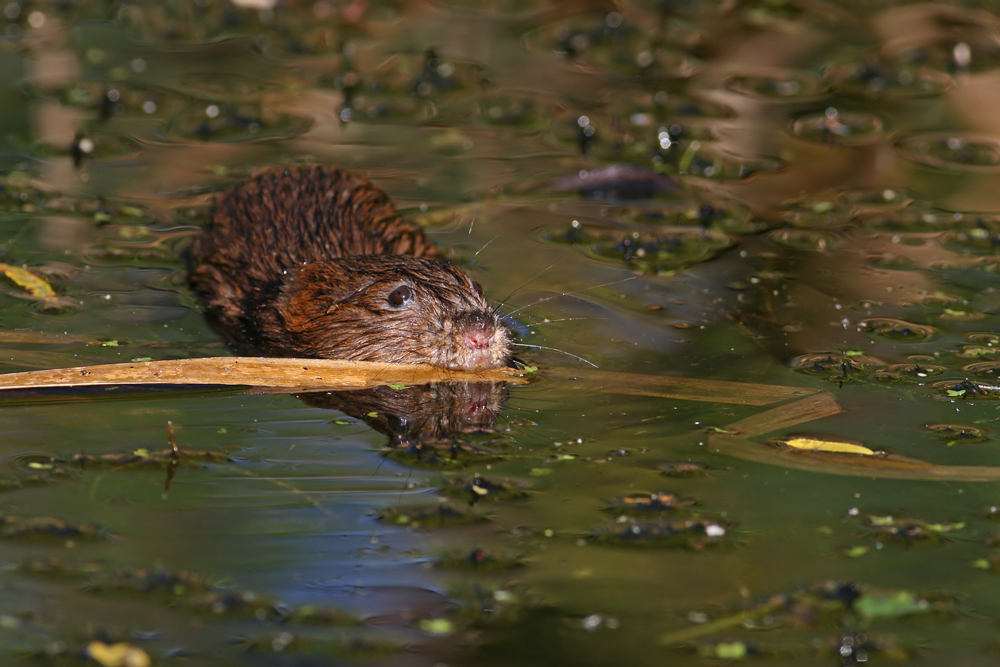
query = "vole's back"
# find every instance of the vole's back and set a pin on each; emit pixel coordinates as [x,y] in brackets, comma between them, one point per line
[284,218]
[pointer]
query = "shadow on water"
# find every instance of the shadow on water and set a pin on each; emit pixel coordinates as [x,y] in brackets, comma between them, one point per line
[773,226]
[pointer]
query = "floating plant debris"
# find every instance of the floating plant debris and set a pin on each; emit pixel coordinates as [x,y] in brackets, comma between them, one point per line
[617,181]
[955,434]
[479,560]
[94,147]
[815,444]
[16,527]
[809,240]
[683,469]
[693,534]
[480,489]
[31,283]
[456,456]
[438,516]
[965,390]
[838,127]
[779,85]
[908,531]
[897,331]
[872,79]
[821,602]
[228,123]
[638,504]
[661,251]
[181,588]
[951,151]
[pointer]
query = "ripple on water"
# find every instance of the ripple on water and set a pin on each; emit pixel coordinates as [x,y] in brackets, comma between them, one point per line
[912,220]
[726,217]
[608,41]
[710,161]
[112,99]
[880,80]
[810,240]
[917,371]
[975,235]
[985,370]
[102,148]
[833,126]
[659,251]
[412,87]
[231,123]
[836,366]
[646,107]
[954,434]
[951,150]
[779,85]
[897,331]
[600,134]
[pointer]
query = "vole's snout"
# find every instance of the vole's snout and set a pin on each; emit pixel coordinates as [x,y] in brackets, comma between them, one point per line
[479,330]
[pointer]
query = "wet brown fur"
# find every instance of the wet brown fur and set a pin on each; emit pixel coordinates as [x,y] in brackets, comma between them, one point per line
[301,262]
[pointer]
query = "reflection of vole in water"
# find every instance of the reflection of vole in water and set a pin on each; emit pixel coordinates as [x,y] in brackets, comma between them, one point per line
[424,414]
[315,262]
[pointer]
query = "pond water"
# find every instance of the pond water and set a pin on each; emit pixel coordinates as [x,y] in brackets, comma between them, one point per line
[729,235]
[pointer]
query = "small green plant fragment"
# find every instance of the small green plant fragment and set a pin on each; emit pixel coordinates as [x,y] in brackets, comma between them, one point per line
[909,531]
[437,626]
[397,386]
[726,650]
[891,605]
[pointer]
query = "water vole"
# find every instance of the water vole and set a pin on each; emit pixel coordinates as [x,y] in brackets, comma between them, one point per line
[316,262]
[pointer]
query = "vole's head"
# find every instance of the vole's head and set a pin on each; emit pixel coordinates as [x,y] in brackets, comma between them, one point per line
[394,308]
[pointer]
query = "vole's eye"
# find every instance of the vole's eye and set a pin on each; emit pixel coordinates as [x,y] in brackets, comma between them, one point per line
[400,296]
[479,288]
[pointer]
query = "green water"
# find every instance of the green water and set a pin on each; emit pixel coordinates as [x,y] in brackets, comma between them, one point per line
[832,226]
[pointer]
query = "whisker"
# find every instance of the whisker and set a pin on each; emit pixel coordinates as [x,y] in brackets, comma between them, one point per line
[556,349]
[563,319]
[556,296]
[525,284]
[483,247]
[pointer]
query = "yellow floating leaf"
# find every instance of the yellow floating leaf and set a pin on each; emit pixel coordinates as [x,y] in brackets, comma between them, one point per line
[34,285]
[818,445]
[117,655]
